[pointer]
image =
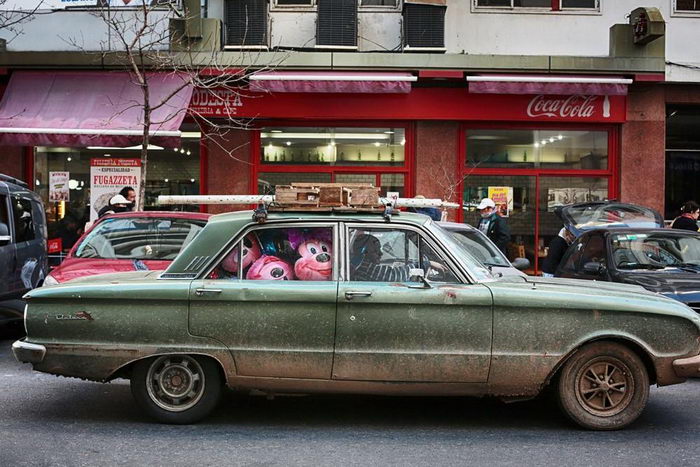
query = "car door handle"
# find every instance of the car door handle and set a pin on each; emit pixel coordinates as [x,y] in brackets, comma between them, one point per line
[350,294]
[202,292]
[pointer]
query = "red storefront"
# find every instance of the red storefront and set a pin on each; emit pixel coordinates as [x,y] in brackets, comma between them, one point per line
[535,151]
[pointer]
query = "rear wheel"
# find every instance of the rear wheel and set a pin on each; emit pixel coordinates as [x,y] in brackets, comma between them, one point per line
[177,389]
[604,386]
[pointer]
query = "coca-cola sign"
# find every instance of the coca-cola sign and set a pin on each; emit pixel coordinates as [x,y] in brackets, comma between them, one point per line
[574,106]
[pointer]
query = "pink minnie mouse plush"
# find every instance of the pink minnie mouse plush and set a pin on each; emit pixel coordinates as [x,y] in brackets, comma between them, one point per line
[315,248]
[251,252]
[270,268]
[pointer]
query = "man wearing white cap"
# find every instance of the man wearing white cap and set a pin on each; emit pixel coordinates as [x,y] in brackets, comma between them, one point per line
[117,203]
[492,225]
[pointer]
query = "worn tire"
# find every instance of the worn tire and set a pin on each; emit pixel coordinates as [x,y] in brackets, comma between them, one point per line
[177,389]
[603,386]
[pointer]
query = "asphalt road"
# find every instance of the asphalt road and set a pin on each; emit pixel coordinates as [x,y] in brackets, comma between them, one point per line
[47,420]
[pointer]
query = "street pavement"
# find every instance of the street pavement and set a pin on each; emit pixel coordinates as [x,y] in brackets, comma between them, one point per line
[48,420]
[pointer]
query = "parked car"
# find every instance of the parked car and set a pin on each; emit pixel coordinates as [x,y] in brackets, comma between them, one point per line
[619,242]
[340,302]
[23,257]
[129,241]
[484,250]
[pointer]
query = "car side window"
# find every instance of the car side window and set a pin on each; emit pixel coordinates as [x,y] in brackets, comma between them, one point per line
[388,255]
[24,224]
[303,253]
[570,263]
[594,252]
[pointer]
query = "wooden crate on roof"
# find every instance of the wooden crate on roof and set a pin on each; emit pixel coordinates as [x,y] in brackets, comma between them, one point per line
[327,195]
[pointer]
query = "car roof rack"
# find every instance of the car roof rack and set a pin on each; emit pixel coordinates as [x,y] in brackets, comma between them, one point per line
[16,181]
[315,197]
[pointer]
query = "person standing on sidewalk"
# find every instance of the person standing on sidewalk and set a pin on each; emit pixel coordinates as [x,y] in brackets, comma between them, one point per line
[492,225]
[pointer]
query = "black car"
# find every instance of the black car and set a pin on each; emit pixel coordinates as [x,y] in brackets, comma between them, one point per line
[23,256]
[625,243]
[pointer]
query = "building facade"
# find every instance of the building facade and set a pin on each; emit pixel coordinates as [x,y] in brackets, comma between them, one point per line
[537,102]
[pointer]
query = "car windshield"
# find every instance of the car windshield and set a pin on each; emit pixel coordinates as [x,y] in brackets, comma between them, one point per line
[480,247]
[590,216]
[463,254]
[139,238]
[656,250]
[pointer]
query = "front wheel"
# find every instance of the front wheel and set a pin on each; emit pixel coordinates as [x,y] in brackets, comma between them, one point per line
[176,389]
[604,386]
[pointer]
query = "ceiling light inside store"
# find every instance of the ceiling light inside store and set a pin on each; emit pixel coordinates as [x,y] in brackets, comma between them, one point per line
[73,184]
[38,183]
[403,141]
[543,142]
[377,143]
[276,131]
[537,145]
[182,151]
[192,180]
[560,137]
[551,139]
[389,132]
[289,143]
[188,152]
[69,158]
[151,147]
[332,143]
[167,180]
[275,135]
[190,134]
[176,149]
[107,155]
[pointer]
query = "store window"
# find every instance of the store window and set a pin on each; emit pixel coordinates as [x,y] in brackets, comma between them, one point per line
[382,3]
[682,157]
[552,167]
[169,172]
[332,146]
[367,155]
[554,149]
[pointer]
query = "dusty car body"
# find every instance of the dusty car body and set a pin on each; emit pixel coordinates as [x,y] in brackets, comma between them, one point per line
[129,241]
[452,328]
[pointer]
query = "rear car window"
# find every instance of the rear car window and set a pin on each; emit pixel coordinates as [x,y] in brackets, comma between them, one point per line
[24,222]
[144,238]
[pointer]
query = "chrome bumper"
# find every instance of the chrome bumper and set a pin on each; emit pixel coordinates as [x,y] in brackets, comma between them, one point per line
[26,352]
[687,367]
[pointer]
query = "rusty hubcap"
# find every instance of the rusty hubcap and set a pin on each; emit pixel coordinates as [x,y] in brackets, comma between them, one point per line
[605,386]
[175,382]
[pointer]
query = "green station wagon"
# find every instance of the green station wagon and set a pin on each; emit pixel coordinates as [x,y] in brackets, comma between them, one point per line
[310,302]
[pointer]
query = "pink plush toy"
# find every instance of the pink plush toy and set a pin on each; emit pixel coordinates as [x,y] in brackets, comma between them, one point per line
[270,268]
[251,252]
[315,249]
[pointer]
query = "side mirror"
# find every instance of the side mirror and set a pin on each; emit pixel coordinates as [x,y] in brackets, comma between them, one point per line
[521,263]
[5,236]
[594,268]
[418,275]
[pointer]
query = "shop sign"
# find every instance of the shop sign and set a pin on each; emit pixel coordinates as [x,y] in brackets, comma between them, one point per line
[215,102]
[54,245]
[107,178]
[58,187]
[419,104]
[574,106]
[503,197]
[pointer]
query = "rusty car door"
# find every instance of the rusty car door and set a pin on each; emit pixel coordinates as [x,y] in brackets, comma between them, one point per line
[398,331]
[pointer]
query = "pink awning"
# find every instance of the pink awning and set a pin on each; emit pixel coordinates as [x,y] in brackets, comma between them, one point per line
[84,108]
[331,81]
[547,84]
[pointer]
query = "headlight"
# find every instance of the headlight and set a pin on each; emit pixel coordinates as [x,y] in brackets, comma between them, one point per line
[50,280]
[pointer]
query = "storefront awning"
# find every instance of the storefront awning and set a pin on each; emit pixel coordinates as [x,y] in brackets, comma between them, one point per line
[559,85]
[332,81]
[91,109]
